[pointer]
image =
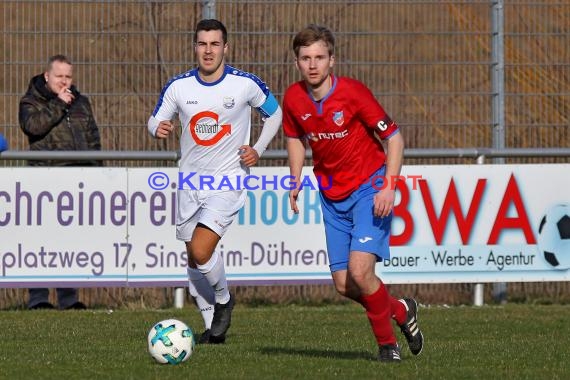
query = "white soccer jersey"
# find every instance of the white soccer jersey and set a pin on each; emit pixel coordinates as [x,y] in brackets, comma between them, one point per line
[215,118]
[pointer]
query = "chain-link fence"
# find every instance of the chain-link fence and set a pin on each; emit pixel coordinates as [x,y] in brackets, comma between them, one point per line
[430,63]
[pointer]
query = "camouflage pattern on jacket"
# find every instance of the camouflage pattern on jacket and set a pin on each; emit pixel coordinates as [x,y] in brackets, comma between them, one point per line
[51,124]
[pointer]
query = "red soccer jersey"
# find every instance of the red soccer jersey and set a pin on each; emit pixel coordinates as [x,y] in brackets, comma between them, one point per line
[342,131]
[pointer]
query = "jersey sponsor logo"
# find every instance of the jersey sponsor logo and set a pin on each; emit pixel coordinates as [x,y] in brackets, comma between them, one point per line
[338,118]
[191,102]
[326,135]
[229,102]
[305,116]
[206,130]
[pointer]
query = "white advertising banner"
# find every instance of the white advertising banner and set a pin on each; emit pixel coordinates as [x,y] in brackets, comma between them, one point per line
[89,227]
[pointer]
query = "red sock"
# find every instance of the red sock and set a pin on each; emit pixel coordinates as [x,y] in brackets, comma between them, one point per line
[399,312]
[379,311]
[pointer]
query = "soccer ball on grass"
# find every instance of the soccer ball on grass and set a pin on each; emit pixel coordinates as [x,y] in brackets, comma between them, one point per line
[170,342]
[554,237]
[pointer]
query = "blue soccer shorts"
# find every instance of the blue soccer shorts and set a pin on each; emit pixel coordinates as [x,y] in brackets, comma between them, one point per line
[350,225]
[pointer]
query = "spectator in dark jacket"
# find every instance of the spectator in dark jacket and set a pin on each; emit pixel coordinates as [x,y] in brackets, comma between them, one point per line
[55,116]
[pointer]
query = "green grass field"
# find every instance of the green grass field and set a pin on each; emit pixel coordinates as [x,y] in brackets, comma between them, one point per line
[290,342]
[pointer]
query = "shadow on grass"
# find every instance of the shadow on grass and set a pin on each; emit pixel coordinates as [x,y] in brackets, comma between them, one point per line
[315,353]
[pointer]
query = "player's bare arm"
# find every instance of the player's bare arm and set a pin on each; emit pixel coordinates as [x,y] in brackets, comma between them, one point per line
[384,199]
[296,151]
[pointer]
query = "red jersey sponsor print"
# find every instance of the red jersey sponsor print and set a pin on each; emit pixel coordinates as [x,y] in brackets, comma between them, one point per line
[342,130]
[206,123]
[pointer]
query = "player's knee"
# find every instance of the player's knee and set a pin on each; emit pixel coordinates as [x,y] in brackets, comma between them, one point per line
[199,255]
[362,279]
[348,291]
[341,289]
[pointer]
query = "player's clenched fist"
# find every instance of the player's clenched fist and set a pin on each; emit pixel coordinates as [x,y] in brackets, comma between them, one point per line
[164,129]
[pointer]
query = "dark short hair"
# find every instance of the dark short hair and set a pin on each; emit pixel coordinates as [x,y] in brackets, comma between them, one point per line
[311,34]
[57,58]
[211,24]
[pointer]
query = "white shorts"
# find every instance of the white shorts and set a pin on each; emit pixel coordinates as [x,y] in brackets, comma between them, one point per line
[215,209]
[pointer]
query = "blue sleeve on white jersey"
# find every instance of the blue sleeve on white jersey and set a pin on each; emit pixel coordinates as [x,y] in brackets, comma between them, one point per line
[160,102]
[269,107]
[161,96]
[270,104]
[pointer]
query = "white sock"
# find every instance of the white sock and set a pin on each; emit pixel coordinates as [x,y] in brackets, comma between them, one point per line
[215,273]
[201,290]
